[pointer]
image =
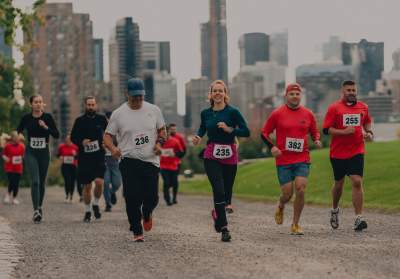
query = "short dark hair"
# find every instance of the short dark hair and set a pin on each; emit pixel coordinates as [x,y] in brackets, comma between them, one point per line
[91,97]
[172,125]
[108,114]
[348,82]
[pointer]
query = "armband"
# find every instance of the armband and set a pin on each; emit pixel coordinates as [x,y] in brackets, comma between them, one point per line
[161,140]
[370,132]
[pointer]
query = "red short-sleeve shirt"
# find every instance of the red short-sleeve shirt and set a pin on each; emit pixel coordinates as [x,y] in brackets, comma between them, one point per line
[66,151]
[166,162]
[16,154]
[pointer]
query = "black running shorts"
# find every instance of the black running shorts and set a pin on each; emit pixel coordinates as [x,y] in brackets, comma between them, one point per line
[351,166]
[89,172]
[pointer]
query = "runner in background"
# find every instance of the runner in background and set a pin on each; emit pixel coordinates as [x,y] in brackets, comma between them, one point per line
[40,126]
[179,137]
[169,162]
[12,154]
[68,154]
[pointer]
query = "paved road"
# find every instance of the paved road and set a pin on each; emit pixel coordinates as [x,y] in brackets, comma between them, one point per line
[182,243]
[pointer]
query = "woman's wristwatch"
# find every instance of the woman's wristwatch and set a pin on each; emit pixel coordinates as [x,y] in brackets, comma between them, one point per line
[230,130]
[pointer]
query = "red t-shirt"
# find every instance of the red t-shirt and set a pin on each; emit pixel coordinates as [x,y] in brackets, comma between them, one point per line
[66,151]
[181,140]
[292,128]
[340,116]
[171,146]
[15,153]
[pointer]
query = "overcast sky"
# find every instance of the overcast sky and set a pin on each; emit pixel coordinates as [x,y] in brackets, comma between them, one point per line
[310,22]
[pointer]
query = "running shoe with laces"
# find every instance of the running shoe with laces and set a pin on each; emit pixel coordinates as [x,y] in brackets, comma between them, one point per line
[335,219]
[147,223]
[225,237]
[37,217]
[66,200]
[214,216]
[71,200]
[15,201]
[229,209]
[296,229]
[7,198]
[279,215]
[360,224]
[88,217]
[113,198]
[96,211]
[108,208]
[138,238]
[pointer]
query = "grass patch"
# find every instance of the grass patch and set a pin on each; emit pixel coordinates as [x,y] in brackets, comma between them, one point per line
[259,181]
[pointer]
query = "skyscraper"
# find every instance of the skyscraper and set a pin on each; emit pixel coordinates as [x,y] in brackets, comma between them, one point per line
[332,50]
[214,46]
[253,47]
[156,57]
[7,50]
[196,95]
[125,53]
[279,47]
[396,60]
[98,60]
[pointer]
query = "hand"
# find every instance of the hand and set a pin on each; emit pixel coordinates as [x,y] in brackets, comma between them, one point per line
[73,153]
[103,145]
[196,140]
[157,149]
[224,127]
[8,160]
[349,130]
[318,143]
[62,158]
[21,138]
[116,152]
[368,136]
[172,155]
[43,125]
[276,152]
[85,142]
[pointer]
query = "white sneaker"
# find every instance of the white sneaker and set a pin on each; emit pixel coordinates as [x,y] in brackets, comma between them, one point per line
[71,201]
[15,201]
[66,200]
[7,199]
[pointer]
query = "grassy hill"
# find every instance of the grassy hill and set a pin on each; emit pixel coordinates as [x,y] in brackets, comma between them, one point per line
[381,182]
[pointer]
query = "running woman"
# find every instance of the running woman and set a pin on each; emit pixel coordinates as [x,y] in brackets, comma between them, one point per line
[220,156]
[112,175]
[345,121]
[40,126]
[171,151]
[12,154]
[179,137]
[143,134]
[292,123]
[68,154]
[87,134]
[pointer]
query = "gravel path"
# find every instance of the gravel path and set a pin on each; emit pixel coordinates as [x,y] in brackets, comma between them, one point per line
[182,243]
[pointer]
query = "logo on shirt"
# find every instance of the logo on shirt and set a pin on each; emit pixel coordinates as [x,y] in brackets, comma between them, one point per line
[303,122]
[141,135]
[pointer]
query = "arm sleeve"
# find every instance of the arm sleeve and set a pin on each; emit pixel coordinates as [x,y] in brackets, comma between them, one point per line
[329,120]
[22,124]
[181,154]
[112,127]
[202,129]
[313,130]
[367,118]
[52,128]
[269,129]
[179,151]
[75,132]
[243,130]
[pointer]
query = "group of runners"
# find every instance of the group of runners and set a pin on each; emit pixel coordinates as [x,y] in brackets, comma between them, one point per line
[134,145]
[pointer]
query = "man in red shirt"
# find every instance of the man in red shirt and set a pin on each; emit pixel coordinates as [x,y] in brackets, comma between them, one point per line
[345,121]
[292,123]
[179,137]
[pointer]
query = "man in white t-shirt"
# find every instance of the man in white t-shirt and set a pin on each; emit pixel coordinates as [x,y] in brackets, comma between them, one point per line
[142,129]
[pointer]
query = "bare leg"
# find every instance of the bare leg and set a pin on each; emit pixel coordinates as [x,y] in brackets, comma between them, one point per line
[87,193]
[287,194]
[358,193]
[98,189]
[337,191]
[300,187]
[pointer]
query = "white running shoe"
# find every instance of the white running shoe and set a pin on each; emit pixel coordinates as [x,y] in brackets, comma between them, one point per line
[66,200]
[15,201]
[7,199]
[71,200]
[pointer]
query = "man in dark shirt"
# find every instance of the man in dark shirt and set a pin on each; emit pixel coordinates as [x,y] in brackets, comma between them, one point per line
[87,134]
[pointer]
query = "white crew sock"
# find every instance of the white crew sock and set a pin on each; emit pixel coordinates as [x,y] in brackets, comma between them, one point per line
[96,201]
[358,216]
[335,210]
[87,207]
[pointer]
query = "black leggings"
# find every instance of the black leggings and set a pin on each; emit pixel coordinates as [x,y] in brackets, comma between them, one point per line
[221,176]
[13,182]
[169,177]
[69,174]
[79,186]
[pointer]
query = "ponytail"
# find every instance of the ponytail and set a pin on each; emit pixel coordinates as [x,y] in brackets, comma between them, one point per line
[4,139]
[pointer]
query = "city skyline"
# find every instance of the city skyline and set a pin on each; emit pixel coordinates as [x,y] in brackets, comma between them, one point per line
[347,20]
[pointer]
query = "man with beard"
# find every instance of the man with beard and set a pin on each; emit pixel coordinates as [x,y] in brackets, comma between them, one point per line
[87,134]
[345,121]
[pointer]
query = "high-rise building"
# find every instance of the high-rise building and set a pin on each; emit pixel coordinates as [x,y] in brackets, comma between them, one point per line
[389,85]
[253,47]
[156,57]
[332,50]
[63,65]
[98,60]
[279,50]
[196,94]
[396,60]
[273,77]
[7,50]
[125,54]
[214,46]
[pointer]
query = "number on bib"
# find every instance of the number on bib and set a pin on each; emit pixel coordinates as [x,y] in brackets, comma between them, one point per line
[38,143]
[141,140]
[351,120]
[293,144]
[222,151]
[17,160]
[92,146]
[166,152]
[69,160]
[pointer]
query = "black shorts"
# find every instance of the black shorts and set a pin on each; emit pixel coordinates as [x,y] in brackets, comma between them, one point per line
[351,166]
[89,172]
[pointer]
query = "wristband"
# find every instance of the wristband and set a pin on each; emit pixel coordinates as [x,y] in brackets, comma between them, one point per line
[161,140]
[370,132]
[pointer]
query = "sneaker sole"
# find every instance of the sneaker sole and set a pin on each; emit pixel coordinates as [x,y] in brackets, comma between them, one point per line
[362,226]
[226,238]
[138,240]
[37,219]
[333,226]
[293,233]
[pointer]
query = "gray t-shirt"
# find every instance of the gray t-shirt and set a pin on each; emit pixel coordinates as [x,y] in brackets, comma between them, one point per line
[138,131]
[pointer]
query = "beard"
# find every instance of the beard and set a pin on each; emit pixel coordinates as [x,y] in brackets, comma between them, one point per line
[90,112]
[172,134]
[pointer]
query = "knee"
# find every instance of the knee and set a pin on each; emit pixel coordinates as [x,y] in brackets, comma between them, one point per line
[357,184]
[287,196]
[301,193]
[35,183]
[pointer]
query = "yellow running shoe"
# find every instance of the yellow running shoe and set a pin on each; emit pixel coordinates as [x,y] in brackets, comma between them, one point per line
[279,215]
[296,229]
